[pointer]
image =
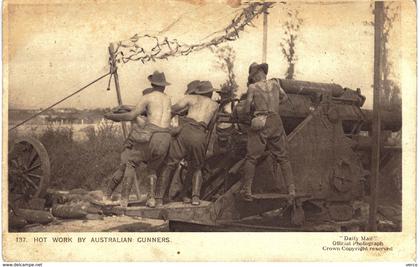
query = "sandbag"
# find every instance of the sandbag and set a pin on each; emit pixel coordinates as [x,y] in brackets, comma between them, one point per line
[70,211]
[79,191]
[16,222]
[66,198]
[95,195]
[94,217]
[35,216]
[36,204]
[93,209]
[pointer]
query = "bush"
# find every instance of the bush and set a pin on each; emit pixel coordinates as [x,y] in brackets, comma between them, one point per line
[87,163]
[82,164]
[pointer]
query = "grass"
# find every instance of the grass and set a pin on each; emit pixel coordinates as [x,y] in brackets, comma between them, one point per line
[83,164]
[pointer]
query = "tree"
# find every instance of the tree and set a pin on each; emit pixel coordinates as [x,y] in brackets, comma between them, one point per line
[288,43]
[390,97]
[390,89]
[225,60]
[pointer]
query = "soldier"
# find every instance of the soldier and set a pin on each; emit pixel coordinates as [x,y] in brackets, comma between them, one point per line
[190,143]
[224,130]
[150,143]
[138,122]
[267,132]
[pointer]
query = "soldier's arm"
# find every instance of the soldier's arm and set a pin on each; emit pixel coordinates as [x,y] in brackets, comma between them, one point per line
[131,115]
[249,99]
[282,94]
[122,108]
[181,106]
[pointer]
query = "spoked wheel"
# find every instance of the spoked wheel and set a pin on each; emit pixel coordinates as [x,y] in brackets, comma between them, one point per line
[29,169]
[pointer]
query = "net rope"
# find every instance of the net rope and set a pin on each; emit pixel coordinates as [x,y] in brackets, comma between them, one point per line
[147,47]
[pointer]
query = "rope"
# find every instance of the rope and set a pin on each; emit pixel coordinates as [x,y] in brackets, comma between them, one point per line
[60,101]
[167,28]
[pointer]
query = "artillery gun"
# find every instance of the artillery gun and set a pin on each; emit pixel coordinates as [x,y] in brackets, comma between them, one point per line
[329,149]
[329,141]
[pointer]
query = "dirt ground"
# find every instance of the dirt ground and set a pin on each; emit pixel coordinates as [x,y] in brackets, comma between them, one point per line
[104,224]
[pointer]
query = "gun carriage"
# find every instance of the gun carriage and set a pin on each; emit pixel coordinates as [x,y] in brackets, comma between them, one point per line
[329,149]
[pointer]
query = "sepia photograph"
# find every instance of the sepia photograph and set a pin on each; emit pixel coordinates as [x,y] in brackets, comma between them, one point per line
[226,116]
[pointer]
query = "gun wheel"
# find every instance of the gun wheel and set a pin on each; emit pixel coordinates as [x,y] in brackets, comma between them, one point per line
[29,169]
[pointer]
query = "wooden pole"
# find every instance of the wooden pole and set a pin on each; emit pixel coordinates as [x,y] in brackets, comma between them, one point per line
[119,99]
[376,122]
[117,83]
[264,44]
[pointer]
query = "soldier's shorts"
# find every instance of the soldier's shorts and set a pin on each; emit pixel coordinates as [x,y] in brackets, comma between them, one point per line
[190,144]
[153,153]
[272,138]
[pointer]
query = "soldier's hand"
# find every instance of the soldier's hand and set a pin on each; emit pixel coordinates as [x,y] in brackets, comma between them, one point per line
[109,116]
[284,99]
[122,109]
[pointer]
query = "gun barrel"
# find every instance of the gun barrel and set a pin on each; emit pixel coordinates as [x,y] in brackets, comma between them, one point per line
[304,99]
[305,87]
[390,120]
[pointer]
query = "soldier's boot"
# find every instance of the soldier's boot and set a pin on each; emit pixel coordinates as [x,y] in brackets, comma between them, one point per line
[151,201]
[184,195]
[246,187]
[186,200]
[292,190]
[162,184]
[197,180]
[247,179]
[245,191]
[186,189]
[287,172]
[115,180]
[127,184]
[108,192]
[159,202]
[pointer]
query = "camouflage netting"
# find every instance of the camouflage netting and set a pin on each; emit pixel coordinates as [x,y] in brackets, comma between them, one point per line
[147,48]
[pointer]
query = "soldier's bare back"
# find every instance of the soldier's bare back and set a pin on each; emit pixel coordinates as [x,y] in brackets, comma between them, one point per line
[200,108]
[158,108]
[266,95]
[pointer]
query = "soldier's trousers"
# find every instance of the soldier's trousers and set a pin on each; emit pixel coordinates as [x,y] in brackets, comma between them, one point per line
[272,138]
[152,153]
[189,144]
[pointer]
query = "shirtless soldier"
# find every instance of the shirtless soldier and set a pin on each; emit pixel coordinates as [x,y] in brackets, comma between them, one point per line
[118,175]
[190,143]
[150,143]
[267,132]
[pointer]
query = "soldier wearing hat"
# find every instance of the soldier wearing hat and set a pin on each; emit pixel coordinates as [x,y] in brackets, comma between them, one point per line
[118,175]
[149,142]
[192,86]
[267,132]
[190,143]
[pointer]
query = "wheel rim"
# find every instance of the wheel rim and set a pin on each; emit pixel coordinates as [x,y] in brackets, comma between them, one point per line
[29,169]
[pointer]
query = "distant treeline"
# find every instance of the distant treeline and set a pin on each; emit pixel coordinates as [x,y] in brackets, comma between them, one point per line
[61,115]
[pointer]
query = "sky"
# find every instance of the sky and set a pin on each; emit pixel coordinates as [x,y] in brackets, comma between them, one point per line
[54,48]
